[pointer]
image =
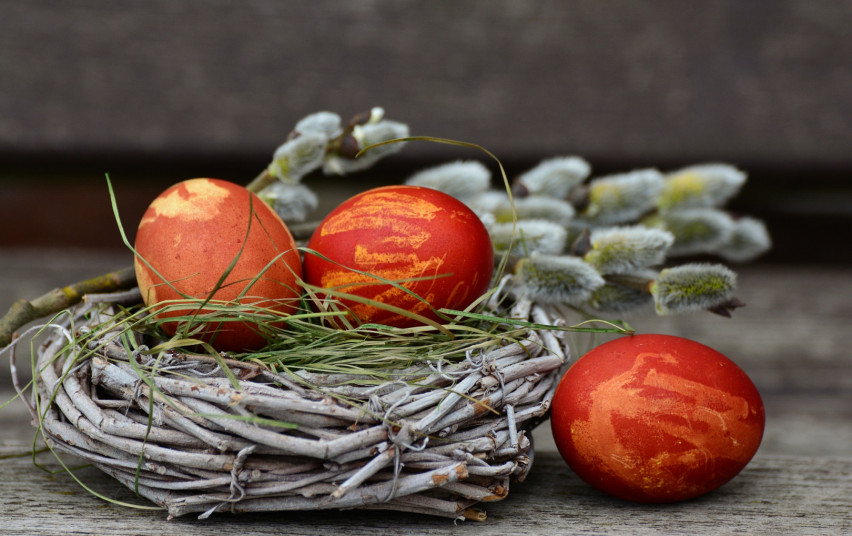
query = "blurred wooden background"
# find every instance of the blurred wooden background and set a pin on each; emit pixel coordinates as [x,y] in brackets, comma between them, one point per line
[157,91]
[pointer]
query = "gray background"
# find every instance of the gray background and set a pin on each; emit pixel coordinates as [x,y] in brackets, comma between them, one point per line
[154,92]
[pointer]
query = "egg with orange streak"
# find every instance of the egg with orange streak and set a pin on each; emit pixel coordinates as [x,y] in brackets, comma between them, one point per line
[656,418]
[401,233]
[190,235]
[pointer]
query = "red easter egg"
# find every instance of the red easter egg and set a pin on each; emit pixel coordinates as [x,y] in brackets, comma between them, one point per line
[656,418]
[188,238]
[400,233]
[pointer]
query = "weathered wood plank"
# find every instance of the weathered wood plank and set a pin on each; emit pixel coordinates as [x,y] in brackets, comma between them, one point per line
[637,81]
[773,495]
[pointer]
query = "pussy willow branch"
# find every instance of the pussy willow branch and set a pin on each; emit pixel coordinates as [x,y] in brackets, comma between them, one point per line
[344,144]
[23,311]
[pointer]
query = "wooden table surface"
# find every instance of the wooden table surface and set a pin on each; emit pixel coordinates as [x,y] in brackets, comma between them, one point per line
[793,339]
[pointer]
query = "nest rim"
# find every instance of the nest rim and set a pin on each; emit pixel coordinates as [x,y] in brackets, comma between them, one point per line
[440,449]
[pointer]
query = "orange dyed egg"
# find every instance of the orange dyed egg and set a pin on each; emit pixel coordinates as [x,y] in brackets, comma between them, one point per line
[402,233]
[656,418]
[190,235]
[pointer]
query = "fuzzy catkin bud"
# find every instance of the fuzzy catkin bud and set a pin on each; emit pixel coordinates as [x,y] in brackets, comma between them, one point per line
[708,185]
[615,298]
[624,197]
[384,130]
[298,157]
[293,202]
[462,179]
[326,123]
[529,236]
[696,230]
[555,177]
[692,287]
[557,279]
[536,208]
[487,203]
[624,249]
[365,136]
[748,240]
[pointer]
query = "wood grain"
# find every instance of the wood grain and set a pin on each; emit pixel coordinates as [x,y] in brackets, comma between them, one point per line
[625,80]
[773,495]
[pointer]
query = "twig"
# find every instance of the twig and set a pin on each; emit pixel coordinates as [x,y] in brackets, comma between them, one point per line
[130,296]
[260,182]
[22,311]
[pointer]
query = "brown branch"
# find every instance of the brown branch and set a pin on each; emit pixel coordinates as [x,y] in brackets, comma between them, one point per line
[260,182]
[22,311]
[631,281]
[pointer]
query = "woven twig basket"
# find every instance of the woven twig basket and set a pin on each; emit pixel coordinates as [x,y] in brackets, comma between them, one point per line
[437,440]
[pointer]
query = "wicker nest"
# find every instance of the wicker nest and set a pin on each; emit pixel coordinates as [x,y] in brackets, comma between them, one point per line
[436,440]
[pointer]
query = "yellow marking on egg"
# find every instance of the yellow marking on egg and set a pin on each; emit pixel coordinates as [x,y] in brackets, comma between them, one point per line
[412,241]
[691,400]
[411,267]
[146,282]
[381,210]
[412,264]
[397,297]
[459,293]
[397,267]
[196,200]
